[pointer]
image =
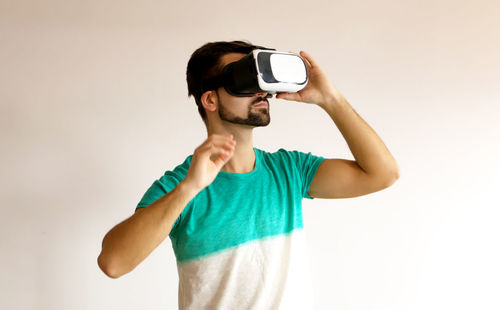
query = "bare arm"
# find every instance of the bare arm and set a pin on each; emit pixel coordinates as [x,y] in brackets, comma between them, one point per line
[374,168]
[131,241]
[127,244]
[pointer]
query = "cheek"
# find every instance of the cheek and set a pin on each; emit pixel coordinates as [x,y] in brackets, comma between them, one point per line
[237,109]
[243,108]
[237,106]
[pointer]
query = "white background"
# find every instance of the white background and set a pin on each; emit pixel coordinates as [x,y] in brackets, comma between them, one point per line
[94,108]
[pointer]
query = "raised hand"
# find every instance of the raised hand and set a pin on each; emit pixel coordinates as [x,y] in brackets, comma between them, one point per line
[208,159]
[319,89]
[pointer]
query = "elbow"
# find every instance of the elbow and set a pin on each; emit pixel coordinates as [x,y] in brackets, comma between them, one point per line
[392,177]
[107,266]
[395,173]
[385,179]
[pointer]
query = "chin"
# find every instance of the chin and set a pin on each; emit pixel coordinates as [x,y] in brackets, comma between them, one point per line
[264,124]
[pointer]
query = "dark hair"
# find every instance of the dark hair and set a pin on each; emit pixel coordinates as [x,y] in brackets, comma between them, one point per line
[205,63]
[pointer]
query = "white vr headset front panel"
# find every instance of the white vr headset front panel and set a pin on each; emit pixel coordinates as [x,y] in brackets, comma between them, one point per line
[288,69]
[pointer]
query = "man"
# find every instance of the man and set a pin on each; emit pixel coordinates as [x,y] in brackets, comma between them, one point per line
[233,212]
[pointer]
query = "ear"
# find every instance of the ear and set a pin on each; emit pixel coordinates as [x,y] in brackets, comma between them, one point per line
[209,100]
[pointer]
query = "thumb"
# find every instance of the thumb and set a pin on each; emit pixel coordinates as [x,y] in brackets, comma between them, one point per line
[222,159]
[288,96]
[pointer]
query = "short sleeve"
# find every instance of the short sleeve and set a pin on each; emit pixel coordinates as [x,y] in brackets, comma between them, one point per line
[154,192]
[307,165]
[157,190]
[164,185]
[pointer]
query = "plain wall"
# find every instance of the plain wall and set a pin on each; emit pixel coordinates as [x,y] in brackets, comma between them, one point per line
[94,108]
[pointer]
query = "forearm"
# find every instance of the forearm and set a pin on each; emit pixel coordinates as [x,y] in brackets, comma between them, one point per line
[131,241]
[368,149]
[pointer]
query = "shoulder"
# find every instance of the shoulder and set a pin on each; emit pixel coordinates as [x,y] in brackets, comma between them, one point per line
[181,169]
[279,153]
[295,159]
[281,157]
[168,181]
[284,155]
[174,176]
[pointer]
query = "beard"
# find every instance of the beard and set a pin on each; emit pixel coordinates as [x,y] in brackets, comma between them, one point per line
[258,119]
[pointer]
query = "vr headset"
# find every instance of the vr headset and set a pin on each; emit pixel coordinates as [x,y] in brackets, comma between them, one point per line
[262,70]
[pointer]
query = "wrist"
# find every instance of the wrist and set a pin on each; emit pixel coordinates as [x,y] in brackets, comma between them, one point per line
[188,188]
[332,99]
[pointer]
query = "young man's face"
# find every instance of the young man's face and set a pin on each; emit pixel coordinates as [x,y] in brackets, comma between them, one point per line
[253,111]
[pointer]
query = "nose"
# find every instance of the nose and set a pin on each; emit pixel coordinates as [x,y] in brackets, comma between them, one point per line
[263,94]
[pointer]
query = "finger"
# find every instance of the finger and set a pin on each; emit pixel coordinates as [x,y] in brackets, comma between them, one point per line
[309,59]
[308,64]
[223,143]
[288,96]
[223,158]
[211,150]
[218,139]
[214,148]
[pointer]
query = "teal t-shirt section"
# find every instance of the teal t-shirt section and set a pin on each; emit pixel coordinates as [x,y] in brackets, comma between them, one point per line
[239,207]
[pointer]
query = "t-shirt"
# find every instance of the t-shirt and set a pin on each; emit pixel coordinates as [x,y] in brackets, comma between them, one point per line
[240,243]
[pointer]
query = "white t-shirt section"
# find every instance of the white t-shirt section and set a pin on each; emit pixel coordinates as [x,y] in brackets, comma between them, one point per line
[272,273]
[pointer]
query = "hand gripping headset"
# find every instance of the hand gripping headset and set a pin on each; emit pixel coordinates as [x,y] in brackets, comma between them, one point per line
[262,70]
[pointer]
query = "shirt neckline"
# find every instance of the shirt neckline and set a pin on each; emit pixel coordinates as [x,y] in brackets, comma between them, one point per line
[244,175]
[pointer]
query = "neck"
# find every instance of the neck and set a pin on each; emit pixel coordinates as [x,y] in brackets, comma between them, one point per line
[243,160]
